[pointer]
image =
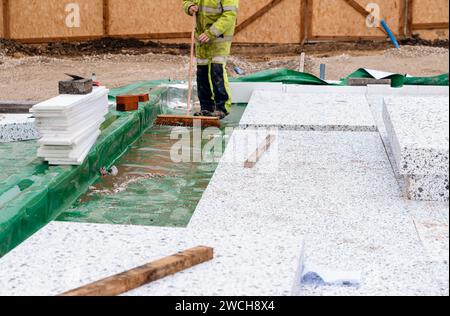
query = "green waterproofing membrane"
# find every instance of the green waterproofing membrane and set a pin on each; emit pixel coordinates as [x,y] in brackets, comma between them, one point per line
[37,193]
[15,157]
[287,76]
[398,80]
[137,88]
[151,189]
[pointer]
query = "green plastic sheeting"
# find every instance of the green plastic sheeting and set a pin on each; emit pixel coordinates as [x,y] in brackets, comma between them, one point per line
[282,75]
[38,193]
[398,80]
[440,80]
[15,157]
[137,88]
[287,76]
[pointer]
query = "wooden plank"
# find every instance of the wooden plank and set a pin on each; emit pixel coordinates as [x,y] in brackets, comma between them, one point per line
[403,14]
[135,278]
[302,62]
[309,14]
[355,5]
[346,38]
[360,82]
[16,106]
[155,36]
[430,26]
[361,10]
[187,120]
[106,17]
[303,18]
[409,17]
[257,15]
[6,20]
[256,156]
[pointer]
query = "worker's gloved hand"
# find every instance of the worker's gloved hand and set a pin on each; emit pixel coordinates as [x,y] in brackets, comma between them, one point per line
[203,38]
[193,9]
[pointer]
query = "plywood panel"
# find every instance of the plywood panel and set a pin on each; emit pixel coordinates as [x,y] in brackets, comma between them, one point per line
[47,18]
[161,17]
[280,25]
[430,11]
[147,16]
[432,34]
[336,18]
[249,7]
[1,19]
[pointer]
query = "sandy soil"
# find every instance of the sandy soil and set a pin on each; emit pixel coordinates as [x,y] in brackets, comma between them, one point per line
[35,77]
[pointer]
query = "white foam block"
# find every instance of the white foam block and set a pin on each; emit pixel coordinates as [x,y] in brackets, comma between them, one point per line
[306,112]
[241,92]
[67,102]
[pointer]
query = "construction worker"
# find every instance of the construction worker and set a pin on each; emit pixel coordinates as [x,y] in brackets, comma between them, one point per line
[216,22]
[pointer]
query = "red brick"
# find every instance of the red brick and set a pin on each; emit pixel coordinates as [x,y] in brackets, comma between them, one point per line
[125,107]
[125,99]
[144,97]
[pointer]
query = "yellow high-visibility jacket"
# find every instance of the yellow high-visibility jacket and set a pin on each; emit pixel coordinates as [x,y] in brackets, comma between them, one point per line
[217,19]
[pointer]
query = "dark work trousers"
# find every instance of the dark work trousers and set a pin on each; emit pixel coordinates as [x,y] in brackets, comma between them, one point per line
[212,91]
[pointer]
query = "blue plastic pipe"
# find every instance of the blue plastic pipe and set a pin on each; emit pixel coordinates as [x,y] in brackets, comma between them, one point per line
[389,32]
[323,71]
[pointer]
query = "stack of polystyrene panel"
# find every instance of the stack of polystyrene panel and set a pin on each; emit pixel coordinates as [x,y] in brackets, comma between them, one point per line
[418,131]
[70,125]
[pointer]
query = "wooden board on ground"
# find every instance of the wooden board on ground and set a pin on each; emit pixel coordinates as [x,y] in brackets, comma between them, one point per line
[187,121]
[135,278]
[16,106]
[256,156]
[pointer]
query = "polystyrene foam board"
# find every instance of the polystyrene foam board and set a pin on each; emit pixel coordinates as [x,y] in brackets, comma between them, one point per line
[308,111]
[82,142]
[96,106]
[314,89]
[55,126]
[66,101]
[67,116]
[241,92]
[78,157]
[76,150]
[419,134]
[71,139]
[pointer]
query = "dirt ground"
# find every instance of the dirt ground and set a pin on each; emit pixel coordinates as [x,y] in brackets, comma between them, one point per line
[33,75]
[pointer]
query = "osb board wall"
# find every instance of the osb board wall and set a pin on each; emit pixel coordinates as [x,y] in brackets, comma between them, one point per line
[144,16]
[432,34]
[337,18]
[42,20]
[430,11]
[47,18]
[280,25]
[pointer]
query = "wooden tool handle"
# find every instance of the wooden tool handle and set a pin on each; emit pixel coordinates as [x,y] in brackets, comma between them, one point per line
[191,62]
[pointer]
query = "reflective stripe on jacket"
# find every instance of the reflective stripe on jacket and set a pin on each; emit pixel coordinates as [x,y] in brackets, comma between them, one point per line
[217,19]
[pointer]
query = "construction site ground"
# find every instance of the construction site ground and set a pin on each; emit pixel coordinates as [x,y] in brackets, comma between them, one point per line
[325,196]
[30,72]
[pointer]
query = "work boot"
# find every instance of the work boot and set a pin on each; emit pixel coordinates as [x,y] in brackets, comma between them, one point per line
[220,114]
[203,113]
